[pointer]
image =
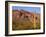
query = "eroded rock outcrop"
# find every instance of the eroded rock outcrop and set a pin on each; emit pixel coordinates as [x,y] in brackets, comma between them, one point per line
[22,20]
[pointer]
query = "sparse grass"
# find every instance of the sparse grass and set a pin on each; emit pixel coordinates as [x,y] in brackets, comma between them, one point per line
[24,25]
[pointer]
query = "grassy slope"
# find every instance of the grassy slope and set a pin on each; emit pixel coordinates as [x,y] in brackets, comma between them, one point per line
[24,24]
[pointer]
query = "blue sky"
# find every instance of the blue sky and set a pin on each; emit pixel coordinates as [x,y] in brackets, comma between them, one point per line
[30,9]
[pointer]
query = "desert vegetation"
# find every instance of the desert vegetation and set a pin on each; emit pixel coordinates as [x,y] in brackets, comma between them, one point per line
[24,20]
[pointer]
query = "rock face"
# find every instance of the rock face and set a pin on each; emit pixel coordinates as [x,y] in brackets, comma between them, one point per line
[23,20]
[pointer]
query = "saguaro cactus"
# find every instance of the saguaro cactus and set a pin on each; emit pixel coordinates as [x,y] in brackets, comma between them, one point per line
[34,22]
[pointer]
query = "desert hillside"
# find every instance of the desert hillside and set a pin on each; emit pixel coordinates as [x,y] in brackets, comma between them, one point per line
[23,20]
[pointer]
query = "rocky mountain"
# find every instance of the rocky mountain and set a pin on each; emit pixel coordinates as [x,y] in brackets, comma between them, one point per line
[25,18]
